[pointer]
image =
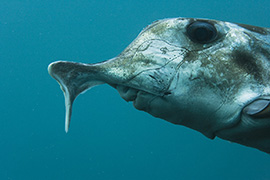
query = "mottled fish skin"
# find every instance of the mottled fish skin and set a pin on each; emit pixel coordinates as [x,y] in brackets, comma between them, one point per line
[211,76]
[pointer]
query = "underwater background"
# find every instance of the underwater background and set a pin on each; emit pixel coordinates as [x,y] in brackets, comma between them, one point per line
[108,138]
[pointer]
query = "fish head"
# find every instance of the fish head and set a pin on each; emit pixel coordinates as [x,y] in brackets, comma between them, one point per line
[194,72]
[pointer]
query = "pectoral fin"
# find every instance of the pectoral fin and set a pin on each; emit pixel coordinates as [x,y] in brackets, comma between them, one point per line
[259,108]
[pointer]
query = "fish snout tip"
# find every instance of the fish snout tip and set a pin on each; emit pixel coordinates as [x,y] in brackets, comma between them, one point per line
[51,67]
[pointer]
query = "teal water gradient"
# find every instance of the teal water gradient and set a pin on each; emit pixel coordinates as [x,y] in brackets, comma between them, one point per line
[108,138]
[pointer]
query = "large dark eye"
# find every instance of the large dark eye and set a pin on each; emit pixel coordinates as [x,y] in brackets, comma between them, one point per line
[201,32]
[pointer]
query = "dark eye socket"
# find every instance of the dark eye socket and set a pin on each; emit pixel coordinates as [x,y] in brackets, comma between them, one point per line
[201,32]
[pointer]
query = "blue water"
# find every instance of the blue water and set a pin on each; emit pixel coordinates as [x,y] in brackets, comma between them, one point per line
[108,138]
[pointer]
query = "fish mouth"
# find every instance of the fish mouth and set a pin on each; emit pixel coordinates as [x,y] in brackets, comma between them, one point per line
[141,99]
[127,93]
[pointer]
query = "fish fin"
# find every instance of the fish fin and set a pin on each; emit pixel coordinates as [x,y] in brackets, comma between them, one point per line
[259,108]
[74,78]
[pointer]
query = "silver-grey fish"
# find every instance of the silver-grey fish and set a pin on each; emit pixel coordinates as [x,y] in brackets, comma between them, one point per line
[208,75]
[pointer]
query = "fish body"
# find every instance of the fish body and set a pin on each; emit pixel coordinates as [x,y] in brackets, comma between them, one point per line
[211,76]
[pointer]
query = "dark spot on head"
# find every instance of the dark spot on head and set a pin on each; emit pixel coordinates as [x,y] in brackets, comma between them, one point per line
[167,93]
[247,63]
[255,29]
[164,50]
[152,77]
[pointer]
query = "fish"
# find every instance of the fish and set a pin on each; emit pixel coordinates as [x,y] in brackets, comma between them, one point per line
[208,75]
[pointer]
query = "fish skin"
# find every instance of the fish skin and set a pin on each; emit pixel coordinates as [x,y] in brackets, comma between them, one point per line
[219,88]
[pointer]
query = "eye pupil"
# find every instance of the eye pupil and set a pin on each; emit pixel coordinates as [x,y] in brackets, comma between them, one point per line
[201,32]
